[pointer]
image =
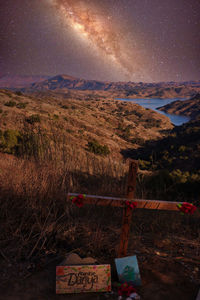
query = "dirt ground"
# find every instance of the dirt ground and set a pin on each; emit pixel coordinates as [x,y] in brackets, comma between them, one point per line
[163,278]
[169,266]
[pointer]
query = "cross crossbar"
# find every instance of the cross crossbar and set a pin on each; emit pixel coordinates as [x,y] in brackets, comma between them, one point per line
[120,202]
[127,212]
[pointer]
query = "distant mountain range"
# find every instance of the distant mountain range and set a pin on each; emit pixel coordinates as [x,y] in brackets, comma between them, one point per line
[125,89]
[19,81]
[69,82]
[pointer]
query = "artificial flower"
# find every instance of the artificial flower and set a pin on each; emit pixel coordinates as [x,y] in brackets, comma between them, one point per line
[187,208]
[78,201]
[125,289]
[131,204]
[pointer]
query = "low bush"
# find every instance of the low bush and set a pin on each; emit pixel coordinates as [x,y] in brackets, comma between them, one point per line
[21,105]
[149,123]
[33,119]
[24,144]
[55,117]
[96,148]
[137,140]
[9,141]
[10,103]
[18,93]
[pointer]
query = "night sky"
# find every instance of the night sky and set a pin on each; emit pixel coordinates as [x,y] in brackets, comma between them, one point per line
[115,40]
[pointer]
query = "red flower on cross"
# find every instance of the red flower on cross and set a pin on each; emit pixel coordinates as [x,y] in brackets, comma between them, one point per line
[78,201]
[131,204]
[187,208]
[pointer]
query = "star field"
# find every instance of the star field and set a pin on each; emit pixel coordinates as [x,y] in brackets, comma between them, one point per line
[115,40]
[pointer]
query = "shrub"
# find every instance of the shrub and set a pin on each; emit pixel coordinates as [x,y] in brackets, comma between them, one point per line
[10,103]
[144,164]
[21,105]
[55,117]
[69,130]
[149,123]
[179,177]
[33,144]
[96,148]
[137,140]
[120,126]
[33,119]
[137,113]
[27,144]
[9,140]
[182,148]
[18,93]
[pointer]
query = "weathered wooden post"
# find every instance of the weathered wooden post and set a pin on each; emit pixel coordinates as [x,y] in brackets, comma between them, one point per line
[127,213]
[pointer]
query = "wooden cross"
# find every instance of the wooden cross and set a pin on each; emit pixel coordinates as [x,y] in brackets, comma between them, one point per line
[127,213]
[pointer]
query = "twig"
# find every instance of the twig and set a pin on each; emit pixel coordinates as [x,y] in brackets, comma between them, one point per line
[41,235]
[3,255]
[187,259]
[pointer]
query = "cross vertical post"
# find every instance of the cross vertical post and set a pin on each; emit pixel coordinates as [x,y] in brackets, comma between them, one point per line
[121,202]
[127,213]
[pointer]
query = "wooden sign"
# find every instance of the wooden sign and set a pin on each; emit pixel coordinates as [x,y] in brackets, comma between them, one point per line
[83,278]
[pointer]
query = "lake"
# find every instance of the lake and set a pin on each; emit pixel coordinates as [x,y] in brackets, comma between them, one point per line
[155,103]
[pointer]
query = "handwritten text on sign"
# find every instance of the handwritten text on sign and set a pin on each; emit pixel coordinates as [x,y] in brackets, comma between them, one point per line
[85,278]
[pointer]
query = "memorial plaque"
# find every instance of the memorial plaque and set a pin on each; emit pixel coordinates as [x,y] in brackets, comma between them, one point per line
[128,270]
[83,278]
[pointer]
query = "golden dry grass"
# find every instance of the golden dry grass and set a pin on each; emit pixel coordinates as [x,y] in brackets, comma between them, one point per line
[36,216]
[81,118]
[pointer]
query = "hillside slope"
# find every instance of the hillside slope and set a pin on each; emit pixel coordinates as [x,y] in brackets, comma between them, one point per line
[190,108]
[174,162]
[179,150]
[81,118]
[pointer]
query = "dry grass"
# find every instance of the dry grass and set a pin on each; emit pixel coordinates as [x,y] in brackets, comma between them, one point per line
[34,210]
[114,123]
[38,220]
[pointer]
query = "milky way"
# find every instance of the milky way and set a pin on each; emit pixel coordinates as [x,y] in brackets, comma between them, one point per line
[98,30]
[114,40]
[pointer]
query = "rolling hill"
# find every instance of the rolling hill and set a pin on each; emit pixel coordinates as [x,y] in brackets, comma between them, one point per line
[190,108]
[81,117]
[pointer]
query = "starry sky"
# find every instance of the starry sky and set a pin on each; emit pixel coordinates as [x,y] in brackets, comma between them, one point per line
[114,40]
